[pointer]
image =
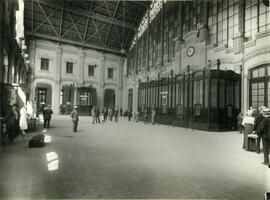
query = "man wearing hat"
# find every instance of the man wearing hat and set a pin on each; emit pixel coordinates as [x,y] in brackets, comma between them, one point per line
[266,134]
[257,126]
[75,118]
[47,114]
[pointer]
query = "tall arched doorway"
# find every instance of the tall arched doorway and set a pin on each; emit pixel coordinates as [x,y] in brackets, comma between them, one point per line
[43,96]
[109,98]
[259,85]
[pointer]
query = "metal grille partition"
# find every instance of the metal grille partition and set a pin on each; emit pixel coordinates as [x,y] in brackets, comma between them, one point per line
[202,99]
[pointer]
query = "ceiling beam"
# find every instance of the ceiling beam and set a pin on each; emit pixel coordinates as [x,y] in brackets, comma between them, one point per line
[72,42]
[75,26]
[61,23]
[44,13]
[139,3]
[44,20]
[86,13]
[107,37]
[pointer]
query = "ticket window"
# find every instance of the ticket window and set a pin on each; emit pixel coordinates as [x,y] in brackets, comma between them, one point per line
[164,102]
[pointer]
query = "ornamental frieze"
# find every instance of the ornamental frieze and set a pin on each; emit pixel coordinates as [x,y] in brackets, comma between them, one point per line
[256,53]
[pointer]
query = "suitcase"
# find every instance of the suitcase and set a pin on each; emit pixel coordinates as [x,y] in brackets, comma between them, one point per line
[37,141]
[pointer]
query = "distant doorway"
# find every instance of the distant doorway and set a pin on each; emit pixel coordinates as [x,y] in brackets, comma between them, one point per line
[109,98]
[130,99]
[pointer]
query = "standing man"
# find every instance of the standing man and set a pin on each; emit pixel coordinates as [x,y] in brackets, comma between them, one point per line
[266,135]
[110,112]
[105,114]
[116,114]
[129,114]
[153,115]
[93,113]
[257,126]
[47,113]
[97,115]
[121,112]
[75,118]
[12,122]
[145,115]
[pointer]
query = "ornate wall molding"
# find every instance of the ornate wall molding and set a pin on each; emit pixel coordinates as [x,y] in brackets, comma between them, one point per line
[256,53]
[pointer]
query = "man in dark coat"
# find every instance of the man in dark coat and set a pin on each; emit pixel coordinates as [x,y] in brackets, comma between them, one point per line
[47,113]
[97,115]
[257,127]
[105,114]
[12,122]
[266,135]
[129,114]
[75,118]
[116,114]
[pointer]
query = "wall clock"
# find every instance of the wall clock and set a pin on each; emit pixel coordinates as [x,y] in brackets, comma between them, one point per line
[190,51]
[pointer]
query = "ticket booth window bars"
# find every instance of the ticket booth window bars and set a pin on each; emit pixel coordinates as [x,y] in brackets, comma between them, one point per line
[202,99]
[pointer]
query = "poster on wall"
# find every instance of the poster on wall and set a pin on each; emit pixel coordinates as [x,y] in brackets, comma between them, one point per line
[164,103]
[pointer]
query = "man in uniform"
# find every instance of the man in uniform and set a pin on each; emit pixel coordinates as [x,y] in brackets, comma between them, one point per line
[75,118]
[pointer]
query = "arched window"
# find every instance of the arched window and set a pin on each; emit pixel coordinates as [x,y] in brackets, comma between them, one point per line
[259,87]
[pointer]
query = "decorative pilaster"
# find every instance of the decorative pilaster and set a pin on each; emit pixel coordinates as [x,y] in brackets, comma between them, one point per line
[56,87]
[120,81]
[135,96]
[239,39]
[58,66]
[75,96]
[32,51]
[102,82]
[81,67]
[56,97]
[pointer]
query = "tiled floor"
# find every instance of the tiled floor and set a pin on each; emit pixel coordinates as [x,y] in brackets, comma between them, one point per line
[132,160]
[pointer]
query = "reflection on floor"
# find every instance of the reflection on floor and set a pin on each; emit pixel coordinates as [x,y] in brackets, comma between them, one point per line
[132,160]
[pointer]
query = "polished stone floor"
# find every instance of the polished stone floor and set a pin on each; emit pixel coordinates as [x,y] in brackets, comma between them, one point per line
[131,160]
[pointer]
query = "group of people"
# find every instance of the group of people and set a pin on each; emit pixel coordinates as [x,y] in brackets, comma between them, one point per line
[16,122]
[149,114]
[256,123]
[108,114]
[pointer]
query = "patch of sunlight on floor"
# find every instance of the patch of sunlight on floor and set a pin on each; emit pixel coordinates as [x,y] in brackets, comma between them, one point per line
[47,139]
[53,161]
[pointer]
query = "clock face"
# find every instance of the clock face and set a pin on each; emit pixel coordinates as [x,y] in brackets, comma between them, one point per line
[190,51]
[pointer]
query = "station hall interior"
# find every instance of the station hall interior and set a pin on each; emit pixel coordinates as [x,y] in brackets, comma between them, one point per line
[156,99]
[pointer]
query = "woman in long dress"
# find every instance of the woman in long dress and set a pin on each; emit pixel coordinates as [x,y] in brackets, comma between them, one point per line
[23,120]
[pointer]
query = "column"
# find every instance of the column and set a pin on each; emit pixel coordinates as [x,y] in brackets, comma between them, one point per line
[135,96]
[56,97]
[32,52]
[75,96]
[56,87]
[81,68]
[120,81]
[238,40]
[101,81]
